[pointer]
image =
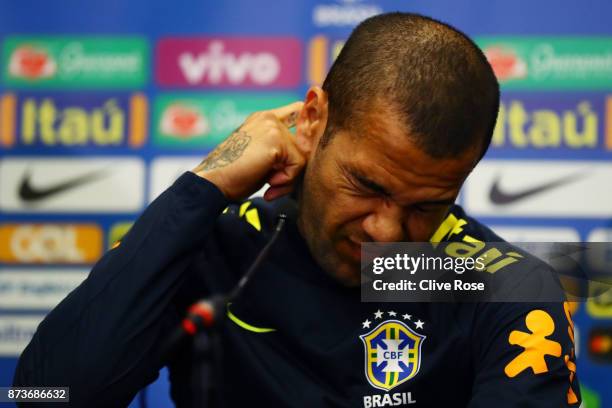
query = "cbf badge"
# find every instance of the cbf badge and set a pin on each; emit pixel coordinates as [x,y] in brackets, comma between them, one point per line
[392,351]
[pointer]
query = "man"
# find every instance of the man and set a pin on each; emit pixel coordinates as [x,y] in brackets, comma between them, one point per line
[379,154]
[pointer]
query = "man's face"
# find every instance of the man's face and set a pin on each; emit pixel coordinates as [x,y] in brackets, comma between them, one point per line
[374,186]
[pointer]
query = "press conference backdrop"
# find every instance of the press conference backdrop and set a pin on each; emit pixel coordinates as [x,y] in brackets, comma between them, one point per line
[119,97]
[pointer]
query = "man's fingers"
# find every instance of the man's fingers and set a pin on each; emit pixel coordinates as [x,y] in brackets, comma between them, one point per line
[286,174]
[296,160]
[288,114]
[279,178]
[274,192]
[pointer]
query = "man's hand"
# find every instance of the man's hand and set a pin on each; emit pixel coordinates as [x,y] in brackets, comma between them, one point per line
[261,150]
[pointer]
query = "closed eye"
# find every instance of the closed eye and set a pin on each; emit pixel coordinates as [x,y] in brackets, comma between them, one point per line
[359,183]
[432,206]
[425,208]
[369,185]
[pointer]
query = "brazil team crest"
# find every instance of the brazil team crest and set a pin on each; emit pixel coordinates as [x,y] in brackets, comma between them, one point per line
[392,352]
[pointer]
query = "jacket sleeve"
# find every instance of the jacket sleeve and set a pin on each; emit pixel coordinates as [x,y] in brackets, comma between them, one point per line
[525,357]
[102,338]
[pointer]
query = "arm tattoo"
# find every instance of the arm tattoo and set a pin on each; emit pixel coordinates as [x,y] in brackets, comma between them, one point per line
[227,152]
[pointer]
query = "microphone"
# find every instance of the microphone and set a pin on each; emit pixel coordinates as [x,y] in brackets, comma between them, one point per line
[206,313]
[286,210]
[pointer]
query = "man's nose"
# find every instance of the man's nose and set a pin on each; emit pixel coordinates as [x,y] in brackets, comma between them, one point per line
[385,224]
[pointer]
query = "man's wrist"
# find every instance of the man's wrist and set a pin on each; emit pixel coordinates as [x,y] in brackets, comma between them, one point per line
[213,177]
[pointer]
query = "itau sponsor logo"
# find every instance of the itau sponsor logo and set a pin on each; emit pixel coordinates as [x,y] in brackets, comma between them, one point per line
[550,62]
[555,122]
[74,120]
[229,62]
[59,61]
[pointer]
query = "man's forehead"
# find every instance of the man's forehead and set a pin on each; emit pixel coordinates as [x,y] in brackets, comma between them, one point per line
[380,135]
[378,119]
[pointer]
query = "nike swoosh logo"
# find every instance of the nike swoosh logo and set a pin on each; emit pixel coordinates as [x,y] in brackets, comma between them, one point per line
[499,197]
[30,194]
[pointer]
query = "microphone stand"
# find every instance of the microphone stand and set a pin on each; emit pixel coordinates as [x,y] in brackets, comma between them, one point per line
[207,368]
[202,323]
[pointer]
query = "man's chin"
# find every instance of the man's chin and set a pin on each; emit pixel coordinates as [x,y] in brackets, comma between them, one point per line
[341,265]
[348,274]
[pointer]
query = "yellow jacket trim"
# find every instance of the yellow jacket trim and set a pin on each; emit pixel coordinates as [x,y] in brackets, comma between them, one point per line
[247,326]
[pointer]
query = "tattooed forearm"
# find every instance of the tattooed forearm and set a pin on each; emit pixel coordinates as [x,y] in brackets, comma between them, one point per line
[227,152]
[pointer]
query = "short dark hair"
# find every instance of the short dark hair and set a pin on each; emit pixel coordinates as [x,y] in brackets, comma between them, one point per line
[430,74]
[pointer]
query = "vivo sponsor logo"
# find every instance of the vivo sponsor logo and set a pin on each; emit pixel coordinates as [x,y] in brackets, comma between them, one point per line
[227,62]
[37,288]
[165,170]
[347,13]
[16,332]
[505,188]
[69,184]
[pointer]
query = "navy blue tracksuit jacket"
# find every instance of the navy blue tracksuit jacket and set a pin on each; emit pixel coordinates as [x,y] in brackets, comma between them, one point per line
[295,337]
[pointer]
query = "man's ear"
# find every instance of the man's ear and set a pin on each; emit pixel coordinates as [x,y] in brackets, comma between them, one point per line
[312,120]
